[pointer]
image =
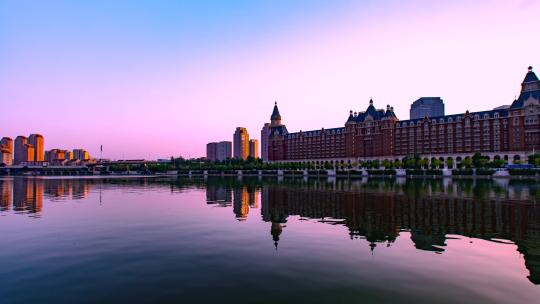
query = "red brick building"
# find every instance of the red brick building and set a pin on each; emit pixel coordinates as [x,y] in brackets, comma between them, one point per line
[379,134]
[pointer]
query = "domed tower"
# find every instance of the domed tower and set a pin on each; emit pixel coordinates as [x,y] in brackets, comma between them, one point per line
[275,119]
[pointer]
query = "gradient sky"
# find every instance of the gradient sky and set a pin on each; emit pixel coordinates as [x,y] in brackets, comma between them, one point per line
[151,79]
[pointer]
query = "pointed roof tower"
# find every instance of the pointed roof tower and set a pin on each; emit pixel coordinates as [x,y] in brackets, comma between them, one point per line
[530,88]
[275,119]
[530,77]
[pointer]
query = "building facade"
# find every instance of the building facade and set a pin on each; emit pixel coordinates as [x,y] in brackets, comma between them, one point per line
[427,107]
[37,141]
[211,149]
[6,151]
[241,143]
[24,152]
[223,150]
[265,133]
[254,148]
[56,156]
[219,151]
[379,134]
[81,154]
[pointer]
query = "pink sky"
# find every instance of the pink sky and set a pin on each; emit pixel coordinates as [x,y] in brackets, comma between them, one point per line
[143,93]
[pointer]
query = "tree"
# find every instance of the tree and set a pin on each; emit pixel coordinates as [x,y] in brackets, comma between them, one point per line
[497,163]
[479,161]
[467,163]
[397,163]
[435,164]
[450,162]
[386,164]
[410,163]
[534,159]
[423,163]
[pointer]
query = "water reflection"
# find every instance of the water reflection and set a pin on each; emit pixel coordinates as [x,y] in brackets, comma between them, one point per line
[377,211]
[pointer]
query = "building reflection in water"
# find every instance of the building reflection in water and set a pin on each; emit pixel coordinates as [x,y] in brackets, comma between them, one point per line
[6,196]
[429,214]
[430,211]
[26,194]
[241,197]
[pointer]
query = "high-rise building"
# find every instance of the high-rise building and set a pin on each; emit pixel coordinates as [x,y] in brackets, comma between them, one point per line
[24,152]
[211,151]
[81,154]
[223,150]
[265,133]
[37,141]
[218,151]
[5,156]
[6,151]
[241,143]
[427,107]
[254,148]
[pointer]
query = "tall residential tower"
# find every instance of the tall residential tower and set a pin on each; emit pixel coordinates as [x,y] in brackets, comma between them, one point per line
[241,143]
[37,141]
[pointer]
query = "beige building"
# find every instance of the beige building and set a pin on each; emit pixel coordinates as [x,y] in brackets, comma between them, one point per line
[241,143]
[37,141]
[254,148]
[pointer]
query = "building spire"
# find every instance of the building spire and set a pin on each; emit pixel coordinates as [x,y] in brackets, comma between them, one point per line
[275,118]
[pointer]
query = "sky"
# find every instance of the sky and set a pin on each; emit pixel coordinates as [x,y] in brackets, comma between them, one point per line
[154,79]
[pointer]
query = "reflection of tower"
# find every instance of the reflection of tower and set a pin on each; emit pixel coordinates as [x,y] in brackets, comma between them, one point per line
[254,198]
[28,194]
[217,194]
[37,200]
[240,203]
[5,194]
[273,210]
[81,188]
[19,193]
[275,231]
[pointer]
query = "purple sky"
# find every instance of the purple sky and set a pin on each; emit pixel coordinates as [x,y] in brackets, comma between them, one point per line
[157,78]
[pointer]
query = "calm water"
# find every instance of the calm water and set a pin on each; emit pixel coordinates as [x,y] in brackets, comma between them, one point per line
[147,240]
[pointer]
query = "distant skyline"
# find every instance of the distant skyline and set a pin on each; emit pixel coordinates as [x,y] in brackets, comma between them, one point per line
[151,79]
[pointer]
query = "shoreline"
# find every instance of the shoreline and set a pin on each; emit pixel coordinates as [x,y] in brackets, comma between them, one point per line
[338,176]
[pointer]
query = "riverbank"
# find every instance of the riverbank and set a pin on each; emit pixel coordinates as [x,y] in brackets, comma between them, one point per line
[350,174]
